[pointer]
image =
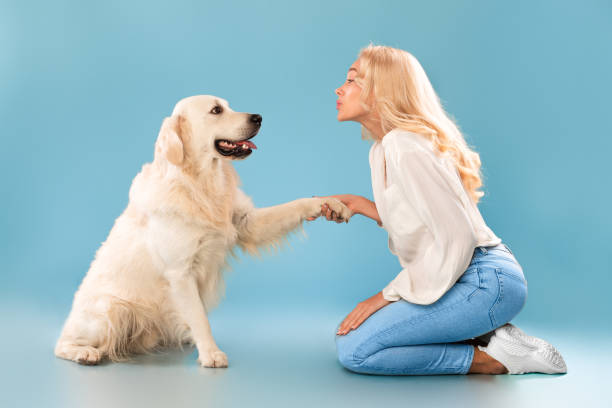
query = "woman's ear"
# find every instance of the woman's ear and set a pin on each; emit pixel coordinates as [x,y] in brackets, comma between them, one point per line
[169,143]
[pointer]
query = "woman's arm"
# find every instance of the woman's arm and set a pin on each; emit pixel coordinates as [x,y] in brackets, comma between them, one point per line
[357,204]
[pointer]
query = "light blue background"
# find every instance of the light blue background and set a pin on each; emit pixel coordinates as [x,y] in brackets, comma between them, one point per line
[84,87]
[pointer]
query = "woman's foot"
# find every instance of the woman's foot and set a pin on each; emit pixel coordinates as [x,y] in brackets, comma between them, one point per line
[520,353]
[483,363]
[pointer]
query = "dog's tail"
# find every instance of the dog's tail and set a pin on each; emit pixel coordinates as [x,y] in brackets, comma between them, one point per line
[133,328]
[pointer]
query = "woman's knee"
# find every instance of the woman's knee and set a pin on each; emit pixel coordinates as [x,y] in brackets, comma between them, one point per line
[346,349]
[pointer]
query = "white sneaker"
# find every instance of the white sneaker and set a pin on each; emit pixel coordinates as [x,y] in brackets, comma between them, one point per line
[521,353]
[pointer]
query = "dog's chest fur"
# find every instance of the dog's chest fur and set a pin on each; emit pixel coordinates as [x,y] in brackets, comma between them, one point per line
[190,219]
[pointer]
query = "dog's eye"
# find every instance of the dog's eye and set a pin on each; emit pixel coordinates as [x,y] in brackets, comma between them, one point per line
[216,110]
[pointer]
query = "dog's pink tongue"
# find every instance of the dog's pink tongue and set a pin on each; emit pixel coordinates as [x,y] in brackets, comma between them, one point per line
[248,143]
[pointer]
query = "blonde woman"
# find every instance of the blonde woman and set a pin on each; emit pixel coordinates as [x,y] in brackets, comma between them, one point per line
[458,281]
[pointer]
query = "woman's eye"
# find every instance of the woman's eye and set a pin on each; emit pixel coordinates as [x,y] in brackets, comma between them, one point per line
[350,80]
[216,110]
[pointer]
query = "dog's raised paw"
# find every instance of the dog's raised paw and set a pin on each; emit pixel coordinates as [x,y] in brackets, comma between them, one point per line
[213,359]
[339,208]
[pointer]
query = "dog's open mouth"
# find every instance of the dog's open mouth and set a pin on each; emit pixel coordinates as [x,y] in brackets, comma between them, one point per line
[240,148]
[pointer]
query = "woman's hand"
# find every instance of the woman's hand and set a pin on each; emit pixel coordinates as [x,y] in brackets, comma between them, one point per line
[357,204]
[363,310]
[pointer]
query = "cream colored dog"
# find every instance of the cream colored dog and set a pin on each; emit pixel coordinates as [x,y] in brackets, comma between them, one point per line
[160,269]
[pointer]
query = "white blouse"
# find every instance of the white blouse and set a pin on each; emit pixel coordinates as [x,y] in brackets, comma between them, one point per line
[433,224]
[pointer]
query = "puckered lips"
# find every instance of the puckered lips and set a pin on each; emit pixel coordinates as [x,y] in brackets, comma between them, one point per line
[235,148]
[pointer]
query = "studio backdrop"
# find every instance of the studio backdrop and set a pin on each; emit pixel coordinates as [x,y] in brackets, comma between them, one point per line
[84,87]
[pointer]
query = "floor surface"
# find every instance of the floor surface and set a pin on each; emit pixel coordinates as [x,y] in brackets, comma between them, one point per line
[275,360]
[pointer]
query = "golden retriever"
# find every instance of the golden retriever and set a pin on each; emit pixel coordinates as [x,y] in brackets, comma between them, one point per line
[160,269]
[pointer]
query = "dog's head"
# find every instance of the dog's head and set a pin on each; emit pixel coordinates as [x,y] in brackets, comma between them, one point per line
[204,127]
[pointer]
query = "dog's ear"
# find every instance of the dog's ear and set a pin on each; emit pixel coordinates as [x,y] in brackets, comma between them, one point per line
[169,143]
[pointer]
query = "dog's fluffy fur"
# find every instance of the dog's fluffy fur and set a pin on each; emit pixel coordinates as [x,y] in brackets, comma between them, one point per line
[160,269]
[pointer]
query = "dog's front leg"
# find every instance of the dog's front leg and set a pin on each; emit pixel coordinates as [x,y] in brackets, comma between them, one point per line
[186,298]
[265,226]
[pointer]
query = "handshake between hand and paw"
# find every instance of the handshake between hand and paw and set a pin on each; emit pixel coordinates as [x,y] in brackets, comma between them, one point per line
[331,214]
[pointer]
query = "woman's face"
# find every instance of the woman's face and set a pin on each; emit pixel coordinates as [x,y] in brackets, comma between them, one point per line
[349,103]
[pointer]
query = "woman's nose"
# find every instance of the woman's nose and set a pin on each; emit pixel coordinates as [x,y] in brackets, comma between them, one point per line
[338,91]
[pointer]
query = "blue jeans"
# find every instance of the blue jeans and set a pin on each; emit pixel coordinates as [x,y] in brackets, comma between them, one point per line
[404,338]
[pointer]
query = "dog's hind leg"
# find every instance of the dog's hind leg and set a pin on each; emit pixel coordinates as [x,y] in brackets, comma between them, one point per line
[80,341]
[85,332]
[109,327]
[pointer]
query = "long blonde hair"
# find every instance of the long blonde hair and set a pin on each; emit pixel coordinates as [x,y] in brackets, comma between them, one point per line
[394,84]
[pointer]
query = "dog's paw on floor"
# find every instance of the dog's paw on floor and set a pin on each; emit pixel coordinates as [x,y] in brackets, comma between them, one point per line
[85,355]
[213,359]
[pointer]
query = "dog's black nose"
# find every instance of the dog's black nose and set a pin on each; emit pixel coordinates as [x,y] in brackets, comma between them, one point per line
[255,118]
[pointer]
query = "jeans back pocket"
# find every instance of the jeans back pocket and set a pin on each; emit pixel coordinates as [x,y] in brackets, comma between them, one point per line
[510,300]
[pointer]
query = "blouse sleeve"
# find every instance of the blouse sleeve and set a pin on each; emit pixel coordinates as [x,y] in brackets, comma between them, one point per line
[426,185]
